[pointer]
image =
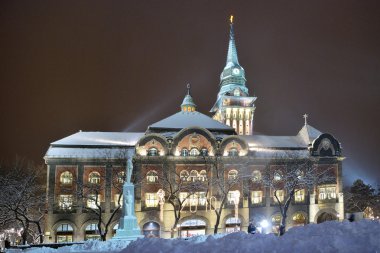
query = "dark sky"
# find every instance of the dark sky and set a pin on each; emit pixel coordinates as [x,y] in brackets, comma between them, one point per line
[122,65]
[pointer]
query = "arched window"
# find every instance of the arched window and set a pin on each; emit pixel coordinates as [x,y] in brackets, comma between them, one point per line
[184,175]
[203,176]
[94,178]
[92,232]
[256,176]
[232,174]
[66,178]
[204,152]
[194,152]
[151,176]
[277,176]
[233,152]
[232,225]
[153,152]
[193,175]
[121,177]
[184,152]
[64,233]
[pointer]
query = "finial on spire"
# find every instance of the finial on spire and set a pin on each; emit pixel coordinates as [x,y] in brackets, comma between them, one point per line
[231,19]
[305,116]
[188,88]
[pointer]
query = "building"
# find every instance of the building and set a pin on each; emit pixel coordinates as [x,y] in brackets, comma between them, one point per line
[191,151]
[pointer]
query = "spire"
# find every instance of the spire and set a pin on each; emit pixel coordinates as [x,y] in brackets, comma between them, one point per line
[232,58]
[305,117]
[188,104]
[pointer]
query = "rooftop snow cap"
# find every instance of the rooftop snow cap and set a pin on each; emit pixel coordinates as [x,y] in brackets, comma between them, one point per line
[188,104]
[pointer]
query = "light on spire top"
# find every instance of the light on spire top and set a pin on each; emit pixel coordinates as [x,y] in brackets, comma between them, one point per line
[232,19]
[305,116]
[188,89]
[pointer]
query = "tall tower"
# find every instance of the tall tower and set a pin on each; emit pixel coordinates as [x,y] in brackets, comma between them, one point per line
[234,106]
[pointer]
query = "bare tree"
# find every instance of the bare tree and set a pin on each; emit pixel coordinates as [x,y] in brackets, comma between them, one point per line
[23,199]
[293,172]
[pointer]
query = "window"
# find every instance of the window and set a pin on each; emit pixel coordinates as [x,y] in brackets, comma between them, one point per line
[94,178]
[277,176]
[65,228]
[299,195]
[92,232]
[232,225]
[202,198]
[184,152]
[299,173]
[194,152]
[204,152]
[193,175]
[232,197]
[151,200]
[184,175]
[183,196]
[66,178]
[93,200]
[203,176]
[299,219]
[152,152]
[65,202]
[233,152]
[256,176]
[327,192]
[151,176]
[236,92]
[280,196]
[232,174]
[121,177]
[256,197]
[116,200]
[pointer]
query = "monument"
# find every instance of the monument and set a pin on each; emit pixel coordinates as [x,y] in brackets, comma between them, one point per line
[128,228]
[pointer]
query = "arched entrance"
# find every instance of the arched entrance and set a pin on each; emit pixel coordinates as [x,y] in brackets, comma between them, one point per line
[192,227]
[326,217]
[151,229]
[64,233]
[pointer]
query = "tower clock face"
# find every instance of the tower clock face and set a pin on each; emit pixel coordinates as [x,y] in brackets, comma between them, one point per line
[236,71]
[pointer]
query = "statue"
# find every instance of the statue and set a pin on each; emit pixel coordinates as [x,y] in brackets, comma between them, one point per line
[128,203]
[129,170]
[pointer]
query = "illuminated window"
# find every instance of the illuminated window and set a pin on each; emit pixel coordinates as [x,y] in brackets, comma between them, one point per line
[327,192]
[232,174]
[189,108]
[94,178]
[232,196]
[256,197]
[152,152]
[256,176]
[116,200]
[299,219]
[276,221]
[92,232]
[232,225]
[280,196]
[65,228]
[299,195]
[194,152]
[151,176]
[65,202]
[93,200]
[203,176]
[236,92]
[277,176]
[202,198]
[193,175]
[184,152]
[183,197]
[233,152]
[184,175]
[121,177]
[66,178]
[151,200]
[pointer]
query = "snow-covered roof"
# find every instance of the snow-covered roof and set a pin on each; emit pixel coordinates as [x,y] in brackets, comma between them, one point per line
[88,153]
[308,134]
[268,141]
[100,139]
[182,120]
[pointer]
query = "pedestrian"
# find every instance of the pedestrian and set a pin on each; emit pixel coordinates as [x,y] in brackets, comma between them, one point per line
[251,228]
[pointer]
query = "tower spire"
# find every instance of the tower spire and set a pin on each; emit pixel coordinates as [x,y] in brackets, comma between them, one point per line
[188,104]
[232,58]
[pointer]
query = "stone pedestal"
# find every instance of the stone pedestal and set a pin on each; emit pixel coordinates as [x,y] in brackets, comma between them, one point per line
[128,229]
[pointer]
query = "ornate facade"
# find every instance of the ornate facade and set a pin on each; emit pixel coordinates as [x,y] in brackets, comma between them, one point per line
[188,166]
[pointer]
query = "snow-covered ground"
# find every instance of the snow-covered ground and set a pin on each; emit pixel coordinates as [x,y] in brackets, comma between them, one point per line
[361,236]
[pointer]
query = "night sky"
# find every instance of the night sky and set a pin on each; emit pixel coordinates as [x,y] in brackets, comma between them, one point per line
[92,65]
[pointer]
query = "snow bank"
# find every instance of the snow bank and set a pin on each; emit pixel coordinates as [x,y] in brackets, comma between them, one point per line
[347,237]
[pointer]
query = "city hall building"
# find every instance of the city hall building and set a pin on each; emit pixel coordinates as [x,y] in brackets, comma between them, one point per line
[197,150]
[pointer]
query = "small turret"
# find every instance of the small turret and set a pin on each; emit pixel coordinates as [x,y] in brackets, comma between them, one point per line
[188,104]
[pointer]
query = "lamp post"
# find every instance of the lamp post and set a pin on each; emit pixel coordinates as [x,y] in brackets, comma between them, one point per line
[161,202]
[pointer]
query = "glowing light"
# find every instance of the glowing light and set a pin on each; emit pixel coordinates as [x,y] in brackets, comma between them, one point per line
[231,19]
[264,223]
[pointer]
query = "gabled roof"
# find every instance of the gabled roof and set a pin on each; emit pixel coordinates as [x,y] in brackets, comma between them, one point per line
[308,134]
[99,139]
[182,120]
